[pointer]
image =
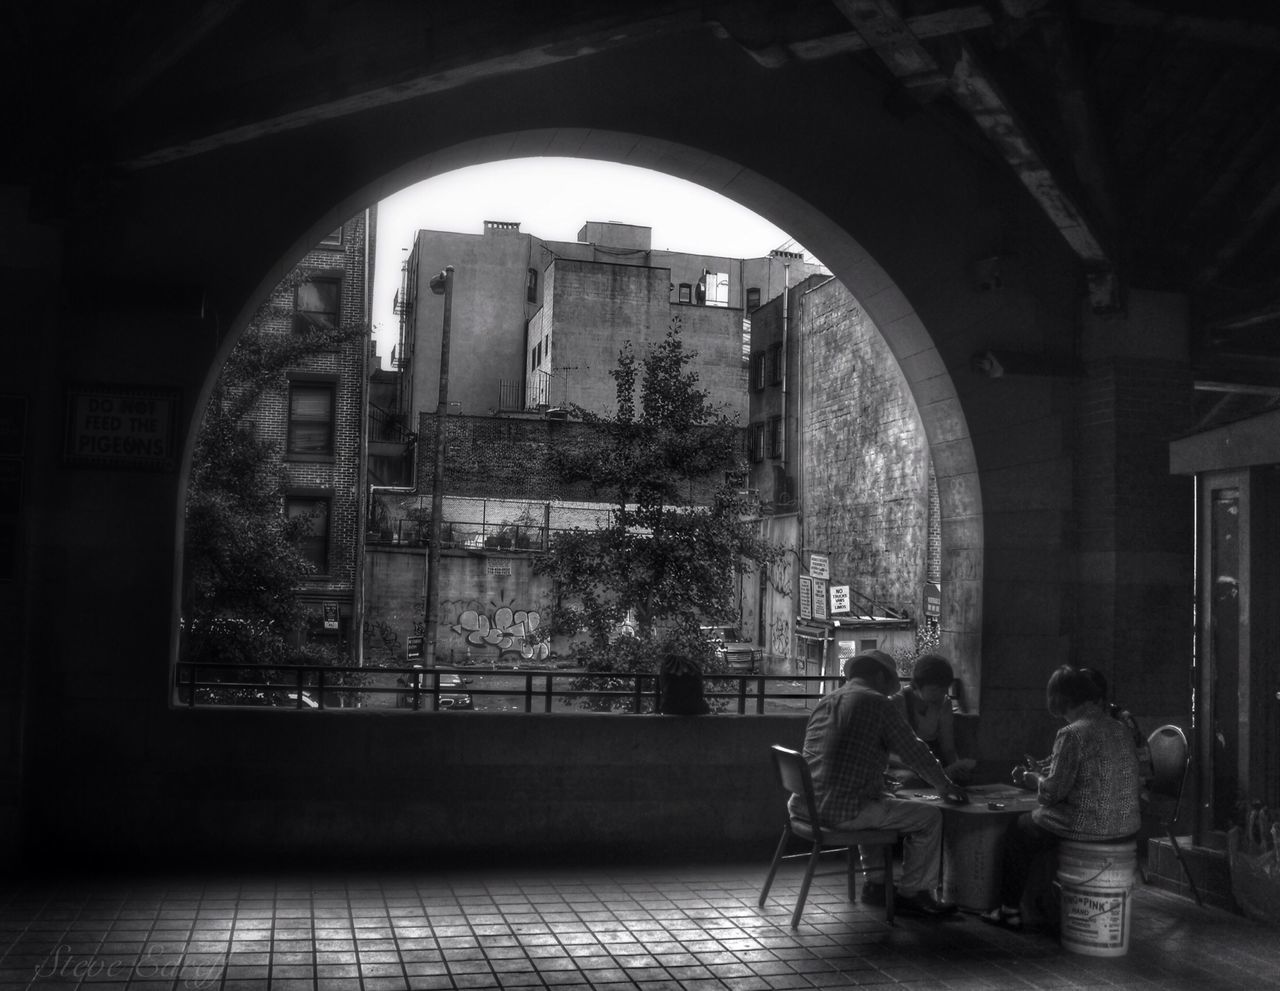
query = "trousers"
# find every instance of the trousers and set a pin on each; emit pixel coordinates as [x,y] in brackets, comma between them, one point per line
[921,829]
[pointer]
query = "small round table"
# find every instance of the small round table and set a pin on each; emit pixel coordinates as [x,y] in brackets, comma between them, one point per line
[973,840]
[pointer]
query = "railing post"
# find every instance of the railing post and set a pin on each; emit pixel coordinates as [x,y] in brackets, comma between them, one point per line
[742,695]
[547,700]
[760,696]
[417,687]
[320,686]
[635,693]
[528,692]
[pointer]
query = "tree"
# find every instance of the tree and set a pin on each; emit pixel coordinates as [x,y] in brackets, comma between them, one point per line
[242,565]
[679,531]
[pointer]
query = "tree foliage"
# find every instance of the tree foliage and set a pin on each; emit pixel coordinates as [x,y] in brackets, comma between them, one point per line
[670,465]
[242,565]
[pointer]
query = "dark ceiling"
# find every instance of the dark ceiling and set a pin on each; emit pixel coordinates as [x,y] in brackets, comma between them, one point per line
[1148,131]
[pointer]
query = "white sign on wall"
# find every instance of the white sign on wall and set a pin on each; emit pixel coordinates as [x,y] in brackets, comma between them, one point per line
[819,566]
[839,599]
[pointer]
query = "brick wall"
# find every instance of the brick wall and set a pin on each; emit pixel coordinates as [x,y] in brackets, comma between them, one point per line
[865,455]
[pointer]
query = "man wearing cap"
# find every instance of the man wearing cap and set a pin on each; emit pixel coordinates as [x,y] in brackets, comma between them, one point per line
[847,743]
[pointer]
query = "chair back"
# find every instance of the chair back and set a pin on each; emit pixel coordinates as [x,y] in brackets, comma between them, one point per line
[1169,759]
[794,776]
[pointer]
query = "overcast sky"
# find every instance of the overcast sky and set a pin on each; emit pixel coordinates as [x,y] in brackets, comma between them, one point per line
[551,198]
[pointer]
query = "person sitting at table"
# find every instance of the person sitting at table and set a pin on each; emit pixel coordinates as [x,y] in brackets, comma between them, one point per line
[926,707]
[847,742]
[1089,792]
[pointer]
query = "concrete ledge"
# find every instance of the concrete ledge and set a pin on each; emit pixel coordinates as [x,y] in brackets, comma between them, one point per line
[324,788]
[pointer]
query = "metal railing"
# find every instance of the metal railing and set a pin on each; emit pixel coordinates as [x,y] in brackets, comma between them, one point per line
[309,687]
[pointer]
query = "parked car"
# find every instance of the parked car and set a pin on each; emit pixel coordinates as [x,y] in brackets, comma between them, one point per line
[454,699]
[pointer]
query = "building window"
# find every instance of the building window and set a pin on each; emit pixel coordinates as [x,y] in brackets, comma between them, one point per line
[310,516]
[757,441]
[775,436]
[715,288]
[775,364]
[316,303]
[332,240]
[531,286]
[686,293]
[753,298]
[311,419]
[757,371]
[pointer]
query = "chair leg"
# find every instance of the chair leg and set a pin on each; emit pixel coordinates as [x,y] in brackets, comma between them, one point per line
[1177,852]
[773,867]
[890,889]
[810,865]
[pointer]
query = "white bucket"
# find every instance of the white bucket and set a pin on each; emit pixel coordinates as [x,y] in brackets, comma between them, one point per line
[1096,880]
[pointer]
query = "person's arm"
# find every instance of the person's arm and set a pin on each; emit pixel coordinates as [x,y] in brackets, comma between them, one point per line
[947,732]
[914,752]
[1063,767]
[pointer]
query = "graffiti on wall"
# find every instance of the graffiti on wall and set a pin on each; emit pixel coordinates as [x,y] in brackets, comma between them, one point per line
[503,628]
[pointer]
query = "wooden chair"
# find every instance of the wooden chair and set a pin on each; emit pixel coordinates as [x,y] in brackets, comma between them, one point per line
[1170,759]
[794,776]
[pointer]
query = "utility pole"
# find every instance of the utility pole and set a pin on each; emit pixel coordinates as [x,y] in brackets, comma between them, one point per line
[441,285]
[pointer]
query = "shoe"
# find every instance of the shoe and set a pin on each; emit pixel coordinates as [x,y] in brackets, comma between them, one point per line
[1004,918]
[922,903]
[872,893]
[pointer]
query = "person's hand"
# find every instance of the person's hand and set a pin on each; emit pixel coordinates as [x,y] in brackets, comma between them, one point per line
[955,795]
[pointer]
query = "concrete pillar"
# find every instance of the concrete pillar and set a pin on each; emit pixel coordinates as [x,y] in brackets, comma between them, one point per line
[1134,521]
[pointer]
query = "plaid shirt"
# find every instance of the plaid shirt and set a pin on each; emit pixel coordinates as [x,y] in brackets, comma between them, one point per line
[847,744]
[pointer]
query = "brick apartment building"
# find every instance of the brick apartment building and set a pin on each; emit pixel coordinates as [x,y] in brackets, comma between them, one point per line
[317,419]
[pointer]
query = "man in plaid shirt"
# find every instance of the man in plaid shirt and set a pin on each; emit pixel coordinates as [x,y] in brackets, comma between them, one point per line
[847,743]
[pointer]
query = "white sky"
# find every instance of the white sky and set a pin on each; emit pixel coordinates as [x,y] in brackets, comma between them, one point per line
[552,198]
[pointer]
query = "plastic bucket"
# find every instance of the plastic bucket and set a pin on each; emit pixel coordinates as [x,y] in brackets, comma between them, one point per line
[1096,882]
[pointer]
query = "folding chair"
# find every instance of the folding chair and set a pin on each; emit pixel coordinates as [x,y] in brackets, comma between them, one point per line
[1170,758]
[794,776]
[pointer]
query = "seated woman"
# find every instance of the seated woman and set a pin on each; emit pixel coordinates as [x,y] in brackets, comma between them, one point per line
[927,709]
[1089,792]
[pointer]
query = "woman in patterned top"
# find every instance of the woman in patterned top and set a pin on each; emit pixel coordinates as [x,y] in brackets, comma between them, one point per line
[1089,792]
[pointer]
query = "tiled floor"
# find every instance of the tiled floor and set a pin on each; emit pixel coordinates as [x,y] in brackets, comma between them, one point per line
[611,928]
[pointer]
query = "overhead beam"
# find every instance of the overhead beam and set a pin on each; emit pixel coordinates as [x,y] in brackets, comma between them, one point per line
[1231,32]
[890,37]
[167,52]
[955,20]
[564,45]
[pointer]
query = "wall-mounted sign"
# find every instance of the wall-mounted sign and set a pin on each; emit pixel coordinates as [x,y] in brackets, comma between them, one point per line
[414,648]
[330,615]
[839,599]
[124,427]
[819,599]
[806,597]
[13,425]
[932,599]
[500,568]
[819,566]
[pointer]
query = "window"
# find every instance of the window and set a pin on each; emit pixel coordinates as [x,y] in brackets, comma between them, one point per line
[531,286]
[757,441]
[775,436]
[311,513]
[332,240]
[775,364]
[757,371]
[311,420]
[533,359]
[686,293]
[753,298]
[316,303]
[716,288]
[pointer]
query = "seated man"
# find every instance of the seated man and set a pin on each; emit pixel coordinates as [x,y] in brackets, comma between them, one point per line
[847,743]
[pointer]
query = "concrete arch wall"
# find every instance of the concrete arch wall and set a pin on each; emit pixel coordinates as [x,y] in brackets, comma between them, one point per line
[155,271]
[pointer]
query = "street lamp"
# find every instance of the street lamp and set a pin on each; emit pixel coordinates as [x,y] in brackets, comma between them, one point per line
[441,285]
